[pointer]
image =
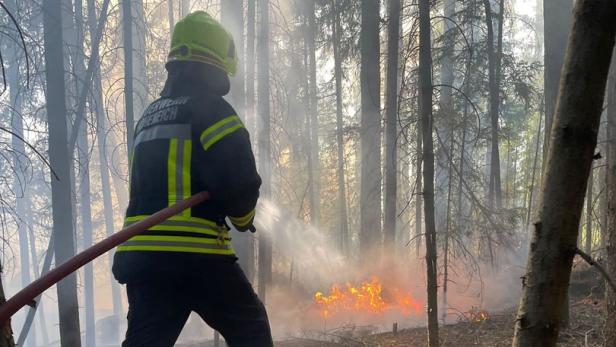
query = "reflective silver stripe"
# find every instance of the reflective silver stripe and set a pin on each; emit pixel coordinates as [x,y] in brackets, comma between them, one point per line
[168,131]
[176,244]
[209,137]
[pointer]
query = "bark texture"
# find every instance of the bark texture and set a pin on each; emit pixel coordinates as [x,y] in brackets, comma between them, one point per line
[610,238]
[425,110]
[370,128]
[557,25]
[63,232]
[342,202]
[391,122]
[265,243]
[570,154]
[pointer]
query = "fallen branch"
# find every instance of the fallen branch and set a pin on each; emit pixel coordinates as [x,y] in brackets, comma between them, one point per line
[598,266]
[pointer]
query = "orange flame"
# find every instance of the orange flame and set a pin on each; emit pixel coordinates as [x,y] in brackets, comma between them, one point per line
[367,297]
[477,315]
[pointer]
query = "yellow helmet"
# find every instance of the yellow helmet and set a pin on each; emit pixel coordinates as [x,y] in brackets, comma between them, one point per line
[200,38]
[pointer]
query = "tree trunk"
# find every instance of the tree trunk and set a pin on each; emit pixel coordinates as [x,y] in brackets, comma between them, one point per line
[84,175]
[391,129]
[140,74]
[265,243]
[20,186]
[531,189]
[370,129]
[610,237]
[589,203]
[314,187]
[570,155]
[185,8]
[418,191]
[60,160]
[494,62]
[251,118]
[425,110]
[232,16]
[444,120]
[101,134]
[342,200]
[170,17]
[127,34]
[557,24]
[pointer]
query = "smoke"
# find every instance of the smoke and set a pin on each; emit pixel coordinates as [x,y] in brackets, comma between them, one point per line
[314,260]
[307,261]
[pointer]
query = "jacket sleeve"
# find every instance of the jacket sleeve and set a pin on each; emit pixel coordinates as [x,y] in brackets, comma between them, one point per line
[235,179]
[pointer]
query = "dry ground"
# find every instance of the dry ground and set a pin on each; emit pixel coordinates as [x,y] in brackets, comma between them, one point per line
[497,331]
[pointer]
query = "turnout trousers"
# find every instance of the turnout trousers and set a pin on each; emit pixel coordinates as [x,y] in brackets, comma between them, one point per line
[221,296]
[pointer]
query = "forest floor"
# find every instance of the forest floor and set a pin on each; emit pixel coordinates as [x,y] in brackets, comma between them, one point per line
[497,330]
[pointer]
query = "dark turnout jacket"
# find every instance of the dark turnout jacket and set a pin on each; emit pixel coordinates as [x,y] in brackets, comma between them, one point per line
[190,140]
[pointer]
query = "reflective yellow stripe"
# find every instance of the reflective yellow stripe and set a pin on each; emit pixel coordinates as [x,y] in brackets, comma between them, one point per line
[171,169]
[243,221]
[195,220]
[184,224]
[177,244]
[176,249]
[178,239]
[217,125]
[222,134]
[219,130]
[186,174]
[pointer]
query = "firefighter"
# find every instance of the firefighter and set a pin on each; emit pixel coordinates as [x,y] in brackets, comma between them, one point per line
[191,140]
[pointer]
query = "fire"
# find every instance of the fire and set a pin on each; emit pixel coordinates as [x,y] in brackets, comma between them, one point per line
[477,315]
[367,297]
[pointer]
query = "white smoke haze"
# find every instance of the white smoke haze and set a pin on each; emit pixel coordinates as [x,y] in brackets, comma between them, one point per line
[317,264]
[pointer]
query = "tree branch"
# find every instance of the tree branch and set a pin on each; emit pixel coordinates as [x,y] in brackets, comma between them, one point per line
[598,266]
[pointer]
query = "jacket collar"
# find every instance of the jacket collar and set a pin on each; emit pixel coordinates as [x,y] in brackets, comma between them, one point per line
[193,79]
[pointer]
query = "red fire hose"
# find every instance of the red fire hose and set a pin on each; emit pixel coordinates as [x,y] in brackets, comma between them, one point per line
[34,289]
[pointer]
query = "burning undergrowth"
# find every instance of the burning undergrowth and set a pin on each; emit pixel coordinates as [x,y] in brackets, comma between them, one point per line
[316,288]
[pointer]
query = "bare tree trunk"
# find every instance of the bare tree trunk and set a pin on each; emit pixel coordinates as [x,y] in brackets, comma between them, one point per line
[418,191]
[127,31]
[570,155]
[265,243]
[141,96]
[170,17]
[445,117]
[232,16]
[425,110]
[531,189]
[494,62]
[101,134]
[185,8]
[84,174]
[20,184]
[63,232]
[610,237]
[557,23]
[370,129]
[443,180]
[391,129]
[589,209]
[342,199]
[251,118]
[315,186]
